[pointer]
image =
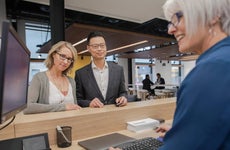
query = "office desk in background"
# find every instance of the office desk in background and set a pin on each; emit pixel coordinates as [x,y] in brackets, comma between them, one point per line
[169,90]
[90,122]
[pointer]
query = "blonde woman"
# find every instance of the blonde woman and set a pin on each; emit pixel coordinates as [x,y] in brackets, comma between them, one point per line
[53,90]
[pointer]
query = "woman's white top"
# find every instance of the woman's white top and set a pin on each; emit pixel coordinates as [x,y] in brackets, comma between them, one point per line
[56,96]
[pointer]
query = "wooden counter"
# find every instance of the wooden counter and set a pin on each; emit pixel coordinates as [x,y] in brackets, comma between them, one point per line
[89,122]
[7,132]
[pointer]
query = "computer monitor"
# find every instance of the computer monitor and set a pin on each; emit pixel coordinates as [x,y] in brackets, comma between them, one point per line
[14,72]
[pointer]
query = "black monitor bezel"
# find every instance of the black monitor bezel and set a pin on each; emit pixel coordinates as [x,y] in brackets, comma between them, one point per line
[6,28]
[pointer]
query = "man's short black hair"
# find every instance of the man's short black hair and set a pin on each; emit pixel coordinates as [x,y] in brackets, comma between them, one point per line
[94,34]
[158,74]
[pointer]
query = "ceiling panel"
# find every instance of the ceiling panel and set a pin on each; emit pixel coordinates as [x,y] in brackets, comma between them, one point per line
[116,39]
[138,11]
[162,53]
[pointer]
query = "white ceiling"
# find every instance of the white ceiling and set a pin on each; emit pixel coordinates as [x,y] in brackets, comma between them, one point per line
[138,11]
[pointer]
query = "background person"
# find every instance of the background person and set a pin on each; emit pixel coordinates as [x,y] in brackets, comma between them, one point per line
[159,80]
[100,82]
[147,83]
[53,90]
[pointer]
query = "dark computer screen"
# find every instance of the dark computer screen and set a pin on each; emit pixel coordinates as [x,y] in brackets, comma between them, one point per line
[14,71]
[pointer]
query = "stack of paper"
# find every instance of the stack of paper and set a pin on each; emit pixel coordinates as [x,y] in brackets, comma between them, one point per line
[142,125]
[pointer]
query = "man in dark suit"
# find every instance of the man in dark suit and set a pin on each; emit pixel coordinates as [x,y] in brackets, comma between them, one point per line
[160,80]
[147,83]
[100,82]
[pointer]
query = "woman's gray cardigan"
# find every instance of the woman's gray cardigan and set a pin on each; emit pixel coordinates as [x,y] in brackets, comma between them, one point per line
[38,95]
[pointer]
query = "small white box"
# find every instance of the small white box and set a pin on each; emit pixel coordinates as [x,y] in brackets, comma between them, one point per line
[142,125]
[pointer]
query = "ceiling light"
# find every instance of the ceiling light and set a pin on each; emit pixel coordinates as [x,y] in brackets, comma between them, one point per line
[126,46]
[75,44]
[147,48]
[82,52]
[122,47]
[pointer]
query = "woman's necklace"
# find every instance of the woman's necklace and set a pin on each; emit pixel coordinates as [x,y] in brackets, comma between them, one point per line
[60,83]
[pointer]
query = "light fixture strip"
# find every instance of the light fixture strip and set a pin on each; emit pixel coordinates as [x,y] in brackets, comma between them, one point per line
[122,47]
[126,46]
[75,44]
[82,52]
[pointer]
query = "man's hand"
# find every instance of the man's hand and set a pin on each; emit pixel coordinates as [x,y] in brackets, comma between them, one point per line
[121,101]
[96,103]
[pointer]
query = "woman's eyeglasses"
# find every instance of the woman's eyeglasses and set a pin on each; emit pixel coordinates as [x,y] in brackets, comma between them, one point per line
[64,57]
[175,19]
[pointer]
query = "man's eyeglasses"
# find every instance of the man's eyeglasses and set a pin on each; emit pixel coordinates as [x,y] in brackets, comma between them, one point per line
[64,57]
[175,19]
[97,46]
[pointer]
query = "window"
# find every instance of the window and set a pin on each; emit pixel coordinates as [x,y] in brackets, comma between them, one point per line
[148,66]
[36,35]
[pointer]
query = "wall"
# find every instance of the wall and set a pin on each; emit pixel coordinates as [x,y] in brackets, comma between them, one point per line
[165,71]
[124,63]
[21,29]
[187,67]
[81,62]
[164,68]
[133,71]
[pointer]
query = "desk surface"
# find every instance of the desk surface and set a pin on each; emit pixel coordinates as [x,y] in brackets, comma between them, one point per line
[147,133]
[75,145]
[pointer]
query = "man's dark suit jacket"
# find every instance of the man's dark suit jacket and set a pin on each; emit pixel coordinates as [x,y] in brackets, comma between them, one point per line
[87,88]
[147,84]
[162,81]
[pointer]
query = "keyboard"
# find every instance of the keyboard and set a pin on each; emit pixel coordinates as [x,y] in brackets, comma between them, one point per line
[148,143]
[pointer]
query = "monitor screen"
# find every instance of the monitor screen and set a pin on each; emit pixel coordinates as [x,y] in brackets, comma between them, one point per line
[14,71]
